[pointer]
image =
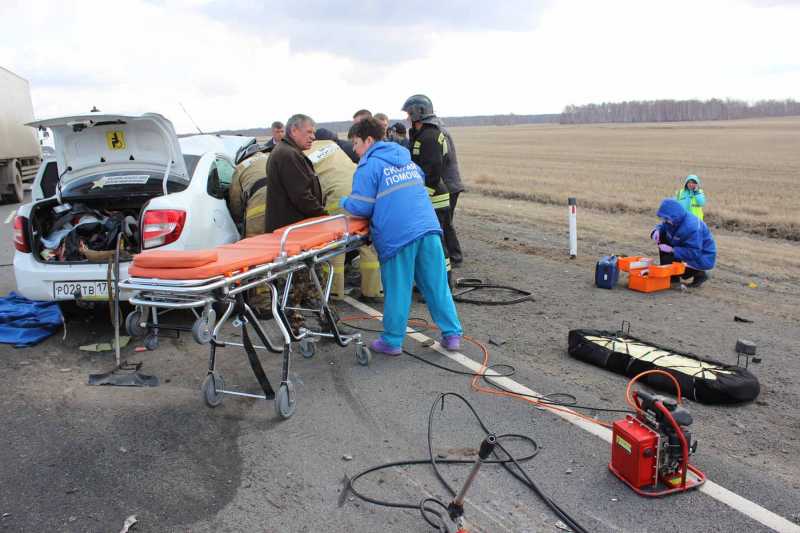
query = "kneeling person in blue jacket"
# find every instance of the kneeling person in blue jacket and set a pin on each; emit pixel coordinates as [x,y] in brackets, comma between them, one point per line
[684,237]
[390,190]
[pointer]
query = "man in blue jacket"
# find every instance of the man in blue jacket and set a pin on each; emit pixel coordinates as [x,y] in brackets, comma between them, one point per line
[684,237]
[390,190]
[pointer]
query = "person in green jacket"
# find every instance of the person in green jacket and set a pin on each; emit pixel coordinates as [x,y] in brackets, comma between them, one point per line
[691,196]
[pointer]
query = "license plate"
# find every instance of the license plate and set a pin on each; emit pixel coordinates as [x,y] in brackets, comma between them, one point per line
[89,290]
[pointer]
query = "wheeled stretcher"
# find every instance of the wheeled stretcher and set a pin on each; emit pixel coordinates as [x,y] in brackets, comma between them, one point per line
[212,282]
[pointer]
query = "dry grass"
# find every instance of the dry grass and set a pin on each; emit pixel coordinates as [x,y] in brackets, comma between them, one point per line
[750,169]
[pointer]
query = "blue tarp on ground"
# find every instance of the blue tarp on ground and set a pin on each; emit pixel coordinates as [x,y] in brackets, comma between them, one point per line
[25,322]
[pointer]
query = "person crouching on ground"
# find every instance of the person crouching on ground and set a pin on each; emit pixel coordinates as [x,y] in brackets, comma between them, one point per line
[684,237]
[389,190]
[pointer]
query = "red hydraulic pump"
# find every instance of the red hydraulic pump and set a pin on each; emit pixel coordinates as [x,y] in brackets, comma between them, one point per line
[650,451]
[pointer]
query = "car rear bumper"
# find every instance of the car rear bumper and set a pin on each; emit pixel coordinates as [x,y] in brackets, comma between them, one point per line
[35,280]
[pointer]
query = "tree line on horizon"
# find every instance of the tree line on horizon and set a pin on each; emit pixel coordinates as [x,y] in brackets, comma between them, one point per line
[677,111]
[480,120]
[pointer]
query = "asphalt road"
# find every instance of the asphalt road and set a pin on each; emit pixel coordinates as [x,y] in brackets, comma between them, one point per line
[80,458]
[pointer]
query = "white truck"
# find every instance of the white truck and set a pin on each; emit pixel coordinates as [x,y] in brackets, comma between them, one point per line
[20,151]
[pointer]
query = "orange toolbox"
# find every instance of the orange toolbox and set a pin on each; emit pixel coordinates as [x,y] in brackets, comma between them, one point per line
[644,276]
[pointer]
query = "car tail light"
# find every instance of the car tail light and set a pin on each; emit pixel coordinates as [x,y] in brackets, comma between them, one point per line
[21,235]
[160,227]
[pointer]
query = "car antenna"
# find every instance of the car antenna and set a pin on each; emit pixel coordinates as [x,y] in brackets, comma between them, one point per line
[190,118]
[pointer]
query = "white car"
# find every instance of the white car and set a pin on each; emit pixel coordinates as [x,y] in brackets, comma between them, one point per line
[113,174]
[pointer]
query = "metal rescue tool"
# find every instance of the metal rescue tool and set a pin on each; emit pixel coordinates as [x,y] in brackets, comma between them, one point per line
[124,374]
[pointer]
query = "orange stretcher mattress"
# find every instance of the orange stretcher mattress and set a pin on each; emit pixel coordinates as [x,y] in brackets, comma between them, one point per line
[228,258]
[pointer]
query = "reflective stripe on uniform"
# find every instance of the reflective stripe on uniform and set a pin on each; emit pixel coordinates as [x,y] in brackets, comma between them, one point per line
[258,210]
[336,269]
[443,141]
[440,201]
[415,149]
[369,265]
[362,198]
[447,264]
[395,188]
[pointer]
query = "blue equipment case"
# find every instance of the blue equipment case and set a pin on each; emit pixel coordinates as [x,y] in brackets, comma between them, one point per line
[606,272]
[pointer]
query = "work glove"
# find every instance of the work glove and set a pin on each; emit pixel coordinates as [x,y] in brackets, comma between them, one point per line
[666,248]
[656,235]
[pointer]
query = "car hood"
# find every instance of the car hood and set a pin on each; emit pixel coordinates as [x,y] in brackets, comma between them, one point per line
[93,143]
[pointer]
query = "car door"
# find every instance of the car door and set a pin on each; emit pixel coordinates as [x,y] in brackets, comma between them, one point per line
[220,176]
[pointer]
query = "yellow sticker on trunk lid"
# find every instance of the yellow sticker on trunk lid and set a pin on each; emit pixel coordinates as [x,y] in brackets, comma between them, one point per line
[115,140]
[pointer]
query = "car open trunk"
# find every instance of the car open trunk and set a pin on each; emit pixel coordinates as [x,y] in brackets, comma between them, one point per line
[84,226]
[85,232]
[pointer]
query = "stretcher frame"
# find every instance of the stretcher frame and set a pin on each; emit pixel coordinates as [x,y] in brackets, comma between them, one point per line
[153,297]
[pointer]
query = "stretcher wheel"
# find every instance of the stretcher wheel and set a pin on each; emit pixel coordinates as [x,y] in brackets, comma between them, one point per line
[151,341]
[201,330]
[285,400]
[363,355]
[307,348]
[210,387]
[133,324]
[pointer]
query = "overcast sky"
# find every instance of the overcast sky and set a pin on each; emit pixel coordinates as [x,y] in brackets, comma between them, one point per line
[239,63]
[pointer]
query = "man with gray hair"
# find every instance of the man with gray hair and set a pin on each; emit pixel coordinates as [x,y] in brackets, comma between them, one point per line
[294,194]
[293,189]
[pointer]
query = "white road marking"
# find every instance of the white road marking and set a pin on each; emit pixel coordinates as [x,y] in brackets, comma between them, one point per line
[11,216]
[718,492]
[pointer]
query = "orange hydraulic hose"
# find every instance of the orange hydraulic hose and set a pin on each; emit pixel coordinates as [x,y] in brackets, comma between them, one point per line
[475,383]
[629,397]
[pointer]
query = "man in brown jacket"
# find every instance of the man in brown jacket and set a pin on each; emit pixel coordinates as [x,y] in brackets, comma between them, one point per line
[294,194]
[293,189]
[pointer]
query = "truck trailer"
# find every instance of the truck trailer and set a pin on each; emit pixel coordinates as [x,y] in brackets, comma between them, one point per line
[20,150]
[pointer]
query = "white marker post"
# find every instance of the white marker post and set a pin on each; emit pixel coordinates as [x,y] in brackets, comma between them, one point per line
[573,227]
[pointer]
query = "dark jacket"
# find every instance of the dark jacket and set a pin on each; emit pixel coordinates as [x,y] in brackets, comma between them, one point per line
[293,190]
[324,134]
[689,236]
[451,173]
[427,151]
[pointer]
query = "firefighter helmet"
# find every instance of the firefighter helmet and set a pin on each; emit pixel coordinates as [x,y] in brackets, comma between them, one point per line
[418,107]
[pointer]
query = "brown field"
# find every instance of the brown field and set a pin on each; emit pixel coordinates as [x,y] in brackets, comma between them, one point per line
[750,169]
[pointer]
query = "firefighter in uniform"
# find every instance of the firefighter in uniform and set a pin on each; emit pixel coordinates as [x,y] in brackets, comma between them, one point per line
[247,201]
[335,171]
[429,151]
[247,196]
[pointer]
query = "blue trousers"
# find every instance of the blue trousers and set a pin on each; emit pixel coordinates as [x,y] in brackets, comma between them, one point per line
[420,262]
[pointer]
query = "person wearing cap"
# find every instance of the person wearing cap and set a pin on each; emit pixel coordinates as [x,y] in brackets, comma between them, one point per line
[691,196]
[277,133]
[389,189]
[324,134]
[397,133]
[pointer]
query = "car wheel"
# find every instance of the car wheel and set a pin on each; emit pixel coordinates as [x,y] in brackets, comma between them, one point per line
[16,189]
